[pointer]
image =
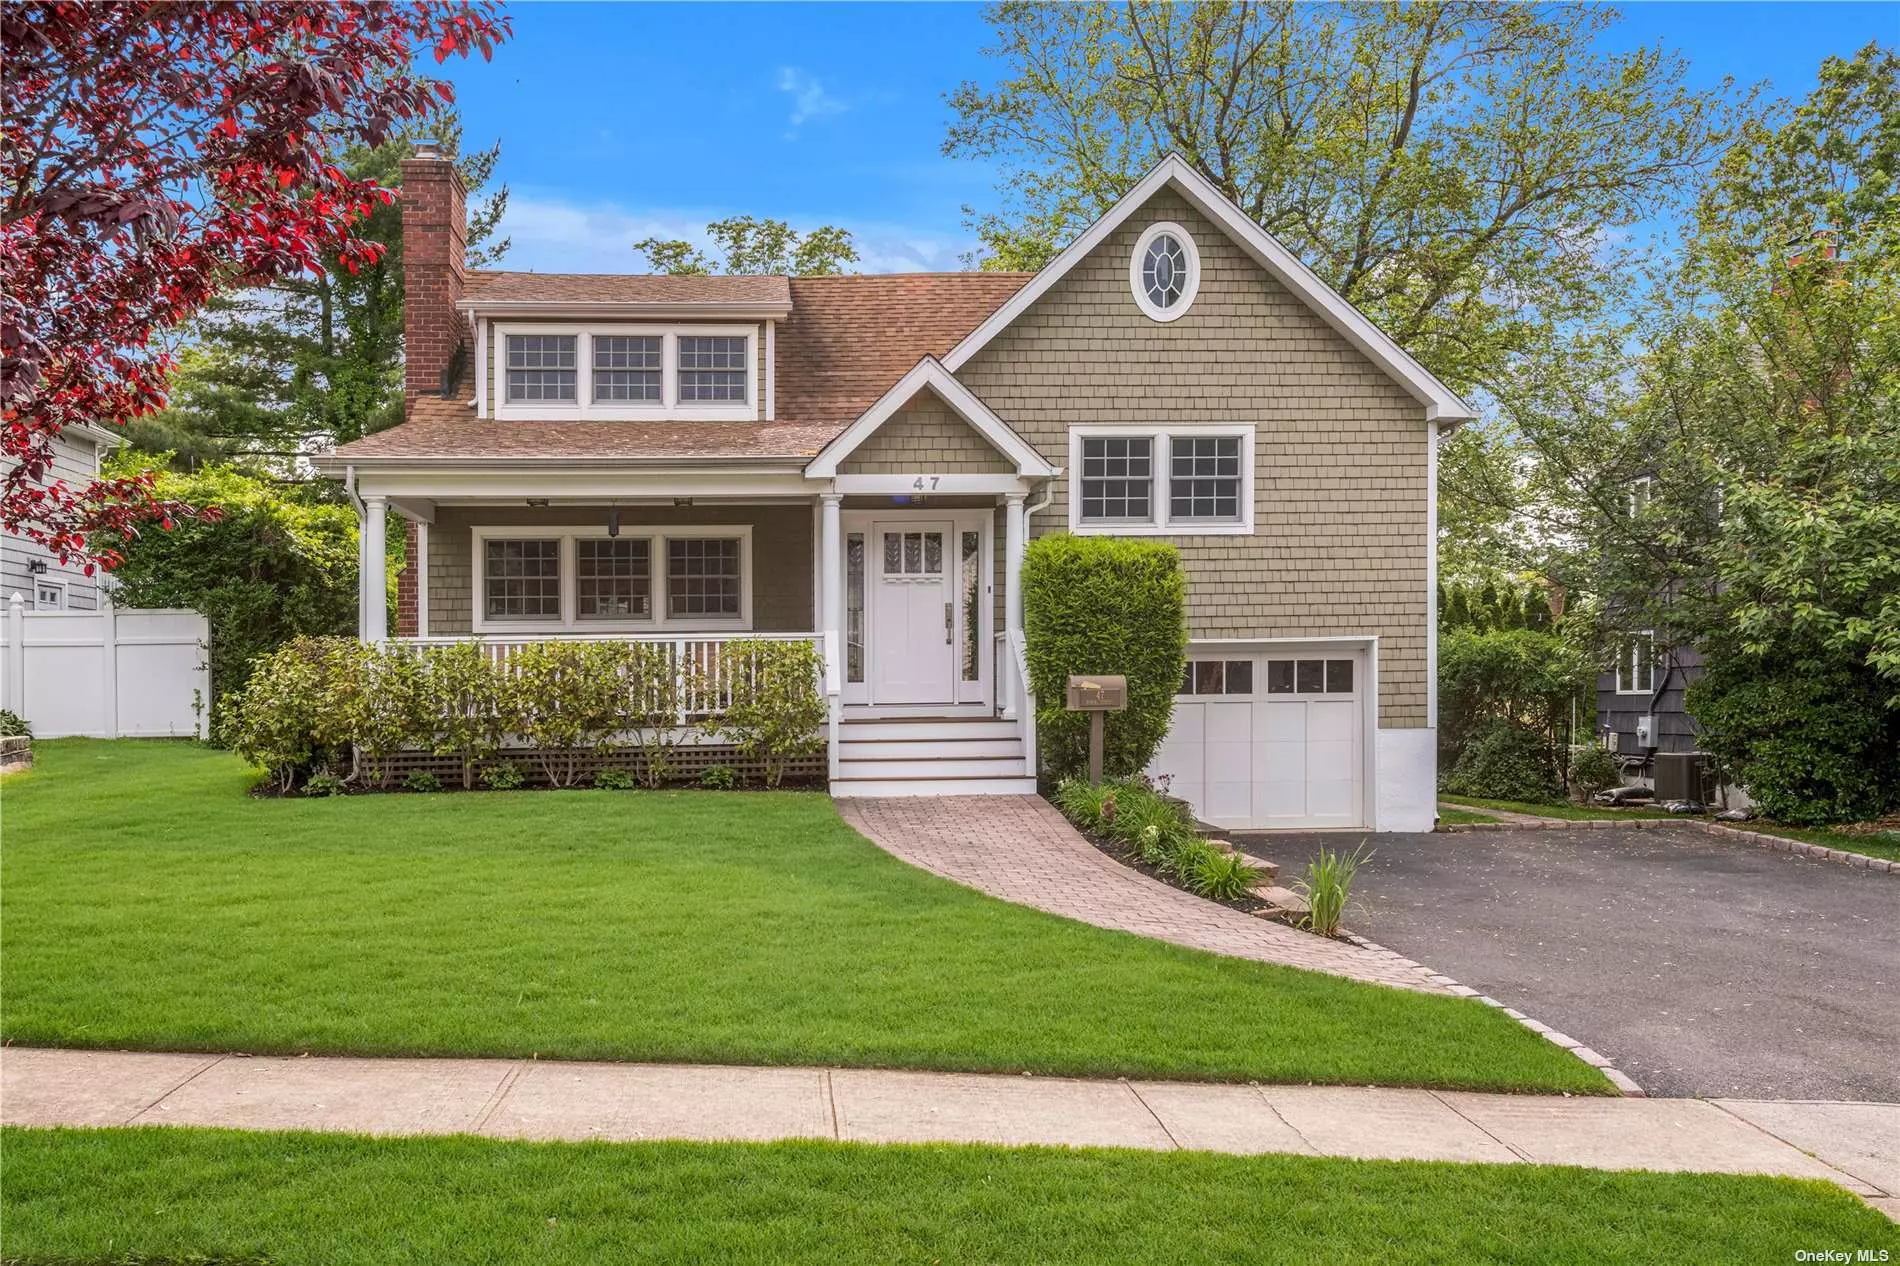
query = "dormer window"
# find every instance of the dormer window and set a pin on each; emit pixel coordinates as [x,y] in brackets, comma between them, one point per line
[625,372]
[541,367]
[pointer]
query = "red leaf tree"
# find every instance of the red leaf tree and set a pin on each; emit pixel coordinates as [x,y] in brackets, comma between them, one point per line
[154,154]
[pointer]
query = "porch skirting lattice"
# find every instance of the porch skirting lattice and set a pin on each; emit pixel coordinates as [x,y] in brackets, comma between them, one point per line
[684,764]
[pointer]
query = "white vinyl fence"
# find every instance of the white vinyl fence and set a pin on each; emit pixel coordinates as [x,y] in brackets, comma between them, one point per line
[111,673]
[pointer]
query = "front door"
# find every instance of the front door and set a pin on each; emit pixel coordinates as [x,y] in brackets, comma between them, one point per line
[913,613]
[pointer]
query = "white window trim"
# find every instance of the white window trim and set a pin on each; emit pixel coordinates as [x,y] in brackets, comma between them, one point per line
[1189,289]
[584,408]
[1642,492]
[1162,524]
[65,594]
[1627,663]
[570,623]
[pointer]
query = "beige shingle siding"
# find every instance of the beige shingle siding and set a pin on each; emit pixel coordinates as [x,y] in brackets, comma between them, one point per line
[781,555]
[1340,452]
[925,437]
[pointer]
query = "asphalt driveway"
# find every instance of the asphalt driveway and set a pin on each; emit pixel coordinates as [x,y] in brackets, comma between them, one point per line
[1699,967]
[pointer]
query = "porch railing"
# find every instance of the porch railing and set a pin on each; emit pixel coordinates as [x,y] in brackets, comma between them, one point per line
[703,676]
[1013,670]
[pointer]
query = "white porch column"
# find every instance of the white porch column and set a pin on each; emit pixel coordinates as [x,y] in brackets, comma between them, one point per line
[421,565]
[375,567]
[1015,541]
[831,566]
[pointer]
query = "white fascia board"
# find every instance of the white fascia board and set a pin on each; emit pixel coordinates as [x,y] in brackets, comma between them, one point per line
[930,372]
[578,485]
[1442,405]
[100,436]
[624,311]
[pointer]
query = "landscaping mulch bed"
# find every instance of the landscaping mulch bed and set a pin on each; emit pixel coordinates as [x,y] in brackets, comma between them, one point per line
[1129,858]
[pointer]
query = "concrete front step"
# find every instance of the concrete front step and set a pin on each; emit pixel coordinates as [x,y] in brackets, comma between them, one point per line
[958,748]
[846,788]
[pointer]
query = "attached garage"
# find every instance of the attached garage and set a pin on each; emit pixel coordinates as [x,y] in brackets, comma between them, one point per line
[1272,739]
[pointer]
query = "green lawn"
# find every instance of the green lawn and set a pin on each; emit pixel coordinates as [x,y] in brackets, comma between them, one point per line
[1568,812]
[147,902]
[192,1195]
[1881,844]
[1448,816]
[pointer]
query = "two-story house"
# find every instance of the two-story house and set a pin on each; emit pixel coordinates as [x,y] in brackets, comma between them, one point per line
[861,461]
[43,581]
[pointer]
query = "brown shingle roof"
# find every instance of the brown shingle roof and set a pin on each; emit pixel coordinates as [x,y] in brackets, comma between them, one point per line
[496,286]
[847,340]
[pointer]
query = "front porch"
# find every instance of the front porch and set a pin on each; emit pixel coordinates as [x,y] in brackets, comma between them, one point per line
[909,599]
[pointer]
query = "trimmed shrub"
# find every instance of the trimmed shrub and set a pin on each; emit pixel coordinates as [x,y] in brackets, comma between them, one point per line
[776,710]
[1103,604]
[299,710]
[503,775]
[1505,760]
[718,778]
[570,698]
[1592,768]
[422,781]
[614,780]
[323,783]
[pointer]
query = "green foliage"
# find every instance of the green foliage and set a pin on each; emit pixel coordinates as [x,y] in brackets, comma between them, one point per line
[1504,760]
[1103,604]
[279,563]
[314,359]
[324,783]
[718,778]
[297,712]
[776,711]
[503,775]
[756,247]
[1490,607]
[1221,876]
[611,779]
[1813,746]
[465,713]
[1592,768]
[1090,806]
[1437,166]
[13,725]
[1327,887]
[422,781]
[569,700]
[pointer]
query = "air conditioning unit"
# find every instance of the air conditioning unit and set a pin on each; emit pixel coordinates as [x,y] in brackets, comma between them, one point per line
[1683,776]
[1646,730]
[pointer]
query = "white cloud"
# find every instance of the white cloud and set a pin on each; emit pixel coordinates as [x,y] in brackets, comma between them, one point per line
[553,235]
[809,98]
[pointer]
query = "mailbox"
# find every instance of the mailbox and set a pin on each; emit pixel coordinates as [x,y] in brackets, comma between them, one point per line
[1098,693]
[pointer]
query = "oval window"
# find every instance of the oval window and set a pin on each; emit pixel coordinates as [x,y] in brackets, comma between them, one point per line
[1165,271]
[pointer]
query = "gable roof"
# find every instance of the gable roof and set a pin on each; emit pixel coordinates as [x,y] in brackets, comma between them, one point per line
[849,338]
[929,374]
[1441,403]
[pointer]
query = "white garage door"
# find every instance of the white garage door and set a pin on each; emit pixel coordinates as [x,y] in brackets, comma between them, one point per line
[1269,741]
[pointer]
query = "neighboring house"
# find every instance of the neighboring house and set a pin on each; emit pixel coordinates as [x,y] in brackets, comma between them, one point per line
[861,460]
[30,569]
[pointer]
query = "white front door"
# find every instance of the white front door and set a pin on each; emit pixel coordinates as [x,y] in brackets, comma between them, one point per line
[913,612]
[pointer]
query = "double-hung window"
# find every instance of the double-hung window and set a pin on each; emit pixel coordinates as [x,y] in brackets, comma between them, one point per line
[583,579]
[1175,480]
[541,367]
[712,367]
[627,367]
[1636,664]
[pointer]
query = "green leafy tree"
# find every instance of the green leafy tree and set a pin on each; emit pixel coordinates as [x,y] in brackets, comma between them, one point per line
[278,563]
[276,372]
[755,247]
[1462,173]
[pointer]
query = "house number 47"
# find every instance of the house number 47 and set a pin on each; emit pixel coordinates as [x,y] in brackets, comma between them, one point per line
[926,483]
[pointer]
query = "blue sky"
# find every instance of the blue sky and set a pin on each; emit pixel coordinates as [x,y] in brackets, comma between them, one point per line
[618,121]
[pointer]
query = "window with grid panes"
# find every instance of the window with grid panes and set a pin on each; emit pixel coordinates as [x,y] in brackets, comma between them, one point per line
[521,580]
[627,367]
[541,366]
[613,578]
[1117,484]
[702,577]
[1204,478]
[713,367]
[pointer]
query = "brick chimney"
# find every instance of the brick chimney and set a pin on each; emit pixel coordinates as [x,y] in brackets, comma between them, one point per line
[434,268]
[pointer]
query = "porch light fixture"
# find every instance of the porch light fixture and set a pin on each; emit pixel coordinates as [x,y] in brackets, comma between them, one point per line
[539,503]
[613,521]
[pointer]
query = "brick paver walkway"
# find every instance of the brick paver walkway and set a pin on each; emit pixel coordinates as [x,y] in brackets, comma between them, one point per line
[1021,849]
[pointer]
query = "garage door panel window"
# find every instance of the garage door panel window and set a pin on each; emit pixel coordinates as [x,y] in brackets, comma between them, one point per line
[1217,677]
[1309,676]
[1177,480]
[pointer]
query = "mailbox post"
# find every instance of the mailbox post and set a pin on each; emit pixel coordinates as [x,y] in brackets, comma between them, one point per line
[1097,695]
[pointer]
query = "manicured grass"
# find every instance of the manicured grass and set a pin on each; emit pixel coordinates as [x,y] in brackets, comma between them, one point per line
[1881,844]
[1448,816]
[187,1195]
[1568,812]
[147,902]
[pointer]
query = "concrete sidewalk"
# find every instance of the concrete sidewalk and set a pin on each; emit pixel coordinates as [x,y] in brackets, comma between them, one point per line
[1856,1145]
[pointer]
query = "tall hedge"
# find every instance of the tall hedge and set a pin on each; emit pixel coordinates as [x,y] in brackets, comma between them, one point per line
[1104,604]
